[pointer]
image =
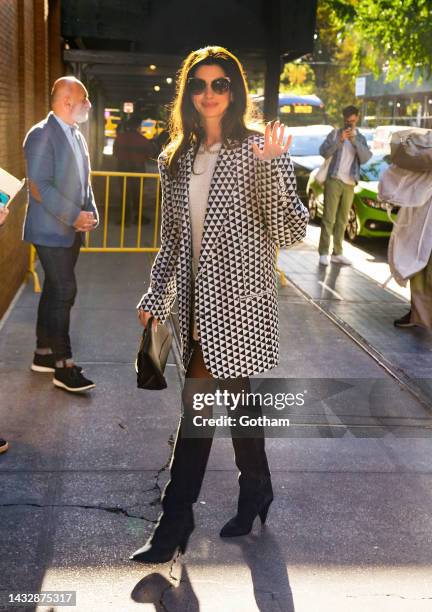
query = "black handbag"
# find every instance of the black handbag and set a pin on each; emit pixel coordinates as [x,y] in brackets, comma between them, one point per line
[152,356]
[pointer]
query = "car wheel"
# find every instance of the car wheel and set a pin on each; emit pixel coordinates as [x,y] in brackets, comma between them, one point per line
[312,206]
[352,229]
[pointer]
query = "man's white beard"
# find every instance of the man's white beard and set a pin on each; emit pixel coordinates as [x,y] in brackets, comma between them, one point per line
[80,116]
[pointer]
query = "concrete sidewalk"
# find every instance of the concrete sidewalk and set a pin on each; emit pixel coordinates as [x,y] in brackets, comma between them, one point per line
[351,524]
[364,309]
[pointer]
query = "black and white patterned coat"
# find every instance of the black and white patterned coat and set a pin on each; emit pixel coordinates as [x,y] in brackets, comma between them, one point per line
[252,208]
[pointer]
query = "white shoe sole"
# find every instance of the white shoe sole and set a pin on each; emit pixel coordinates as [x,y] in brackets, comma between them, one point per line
[58,383]
[37,368]
[342,263]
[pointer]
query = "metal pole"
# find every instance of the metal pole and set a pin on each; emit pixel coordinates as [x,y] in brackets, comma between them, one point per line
[273,63]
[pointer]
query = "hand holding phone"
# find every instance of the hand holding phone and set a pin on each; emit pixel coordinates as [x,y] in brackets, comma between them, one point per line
[345,134]
[348,132]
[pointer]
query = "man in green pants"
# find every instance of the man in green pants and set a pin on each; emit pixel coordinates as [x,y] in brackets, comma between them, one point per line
[347,149]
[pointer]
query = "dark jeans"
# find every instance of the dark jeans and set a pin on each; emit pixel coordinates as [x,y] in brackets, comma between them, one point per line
[57,298]
[190,454]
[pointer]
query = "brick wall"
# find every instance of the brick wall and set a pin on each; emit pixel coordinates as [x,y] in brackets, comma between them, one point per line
[24,85]
[10,155]
[26,65]
[42,84]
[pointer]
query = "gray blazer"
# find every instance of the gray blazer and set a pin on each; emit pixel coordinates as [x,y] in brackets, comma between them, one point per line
[55,195]
[252,209]
[332,147]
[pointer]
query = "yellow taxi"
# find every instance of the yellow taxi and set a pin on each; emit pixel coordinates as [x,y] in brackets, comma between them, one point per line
[150,128]
[112,119]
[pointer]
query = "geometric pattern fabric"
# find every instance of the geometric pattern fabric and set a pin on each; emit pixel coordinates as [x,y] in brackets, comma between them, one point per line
[252,208]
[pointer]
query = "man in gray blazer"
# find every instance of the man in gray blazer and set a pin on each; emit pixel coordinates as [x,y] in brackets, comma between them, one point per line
[348,149]
[60,210]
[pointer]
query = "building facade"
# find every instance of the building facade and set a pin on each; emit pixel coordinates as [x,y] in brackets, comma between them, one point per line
[30,59]
[394,102]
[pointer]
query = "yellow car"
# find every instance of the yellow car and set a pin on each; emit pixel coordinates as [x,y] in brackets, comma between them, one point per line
[150,128]
[112,119]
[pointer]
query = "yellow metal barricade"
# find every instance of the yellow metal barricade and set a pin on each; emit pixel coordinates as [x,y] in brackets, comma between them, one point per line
[121,248]
[282,278]
[31,272]
[105,237]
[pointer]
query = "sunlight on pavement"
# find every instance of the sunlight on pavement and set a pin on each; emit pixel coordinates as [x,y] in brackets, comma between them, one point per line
[364,262]
[212,587]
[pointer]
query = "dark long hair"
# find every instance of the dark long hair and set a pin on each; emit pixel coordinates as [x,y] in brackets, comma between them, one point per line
[184,123]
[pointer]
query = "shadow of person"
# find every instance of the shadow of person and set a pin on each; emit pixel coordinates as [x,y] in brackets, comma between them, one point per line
[164,594]
[327,279]
[333,274]
[263,555]
[321,272]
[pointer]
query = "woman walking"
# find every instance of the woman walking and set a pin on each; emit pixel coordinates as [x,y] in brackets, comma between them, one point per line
[228,201]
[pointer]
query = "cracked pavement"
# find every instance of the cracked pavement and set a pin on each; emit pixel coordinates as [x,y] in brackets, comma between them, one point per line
[350,527]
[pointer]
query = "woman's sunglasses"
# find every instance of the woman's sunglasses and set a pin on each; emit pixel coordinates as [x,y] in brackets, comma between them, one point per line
[219,86]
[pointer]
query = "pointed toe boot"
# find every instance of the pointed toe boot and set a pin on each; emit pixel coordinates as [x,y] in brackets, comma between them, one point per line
[171,536]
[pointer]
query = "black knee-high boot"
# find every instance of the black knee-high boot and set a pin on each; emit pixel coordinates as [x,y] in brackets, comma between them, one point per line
[187,469]
[256,492]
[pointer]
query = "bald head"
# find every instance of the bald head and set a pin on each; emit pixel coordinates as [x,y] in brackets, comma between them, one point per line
[69,100]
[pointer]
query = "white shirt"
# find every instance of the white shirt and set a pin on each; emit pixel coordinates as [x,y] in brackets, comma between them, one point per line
[70,130]
[346,160]
[199,188]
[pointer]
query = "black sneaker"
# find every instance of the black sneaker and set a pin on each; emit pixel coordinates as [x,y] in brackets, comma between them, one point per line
[72,380]
[404,321]
[3,445]
[43,363]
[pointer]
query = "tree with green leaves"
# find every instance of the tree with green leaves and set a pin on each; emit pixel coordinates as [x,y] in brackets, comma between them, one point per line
[331,60]
[390,37]
[394,36]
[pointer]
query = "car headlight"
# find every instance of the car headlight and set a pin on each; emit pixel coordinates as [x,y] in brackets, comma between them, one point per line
[372,203]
